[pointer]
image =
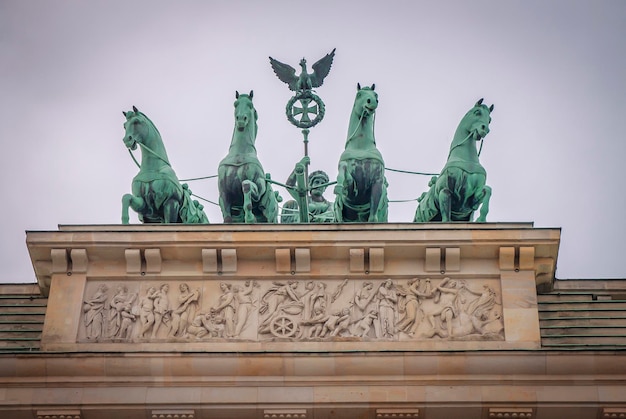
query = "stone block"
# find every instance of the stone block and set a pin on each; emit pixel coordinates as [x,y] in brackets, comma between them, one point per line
[209,260]
[59,260]
[153,260]
[357,260]
[453,259]
[526,258]
[377,259]
[133,261]
[283,260]
[229,260]
[521,325]
[79,260]
[303,260]
[433,259]
[507,258]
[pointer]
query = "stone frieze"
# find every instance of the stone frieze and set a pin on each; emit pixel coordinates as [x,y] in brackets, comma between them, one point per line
[292,310]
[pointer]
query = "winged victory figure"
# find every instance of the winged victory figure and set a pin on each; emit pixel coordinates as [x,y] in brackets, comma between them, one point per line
[305,81]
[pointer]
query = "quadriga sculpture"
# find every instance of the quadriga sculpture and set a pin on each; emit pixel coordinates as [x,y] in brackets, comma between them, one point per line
[361,185]
[245,194]
[460,189]
[157,195]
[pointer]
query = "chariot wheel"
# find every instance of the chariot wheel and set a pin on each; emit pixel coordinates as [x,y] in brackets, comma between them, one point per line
[301,106]
[283,327]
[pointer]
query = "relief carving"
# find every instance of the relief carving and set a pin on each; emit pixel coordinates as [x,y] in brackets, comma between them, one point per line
[162,312]
[93,313]
[185,311]
[313,310]
[121,318]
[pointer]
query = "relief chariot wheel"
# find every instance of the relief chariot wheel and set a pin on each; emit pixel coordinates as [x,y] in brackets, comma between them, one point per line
[309,104]
[283,327]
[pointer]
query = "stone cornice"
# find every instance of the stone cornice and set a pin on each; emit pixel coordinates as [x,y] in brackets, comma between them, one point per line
[86,249]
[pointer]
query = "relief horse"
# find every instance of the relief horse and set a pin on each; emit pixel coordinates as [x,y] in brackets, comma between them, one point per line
[461,187]
[157,195]
[361,185]
[245,194]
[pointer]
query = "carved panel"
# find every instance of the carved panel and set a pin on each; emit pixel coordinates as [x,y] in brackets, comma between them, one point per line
[292,310]
[284,413]
[59,414]
[398,413]
[173,414]
[511,412]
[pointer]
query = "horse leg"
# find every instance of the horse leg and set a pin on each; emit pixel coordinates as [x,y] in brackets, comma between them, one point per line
[226,210]
[484,207]
[171,210]
[445,204]
[130,201]
[377,194]
[340,191]
[250,191]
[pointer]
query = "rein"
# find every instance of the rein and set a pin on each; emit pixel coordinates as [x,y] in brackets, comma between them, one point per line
[357,127]
[464,141]
[148,149]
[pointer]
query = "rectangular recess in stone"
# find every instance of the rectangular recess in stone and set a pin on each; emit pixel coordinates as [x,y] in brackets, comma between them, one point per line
[357,260]
[398,413]
[59,414]
[209,260]
[133,261]
[511,412]
[285,413]
[79,260]
[229,260]
[433,259]
[178,414]
[613,412]
[283,260]
[377,259]
[507,258]
[526,258]
[303,260]
[59,260]
[453,259]
[153,260]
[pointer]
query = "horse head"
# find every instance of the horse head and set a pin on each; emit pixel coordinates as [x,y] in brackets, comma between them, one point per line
[476,121]
[245,112]
[366,100]
[138,128]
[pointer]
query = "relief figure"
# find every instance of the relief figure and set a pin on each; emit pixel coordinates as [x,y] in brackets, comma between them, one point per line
[186,310]
[226,309]
[93,309]
[244,303]
[410,304]
[279,300]
[146,311]
[314,324]
[336,323]
[162,311]
[364,310]
[387,301]
[206,325]
[121,318]
[454,311]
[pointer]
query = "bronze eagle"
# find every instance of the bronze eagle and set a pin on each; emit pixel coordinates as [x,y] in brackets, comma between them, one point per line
[305,81]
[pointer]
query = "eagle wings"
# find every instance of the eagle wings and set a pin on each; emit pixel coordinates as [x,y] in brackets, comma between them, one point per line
[305,81]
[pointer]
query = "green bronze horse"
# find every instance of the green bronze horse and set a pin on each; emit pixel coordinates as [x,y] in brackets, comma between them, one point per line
[361,188]
[245,194]
[460,189]
[157,195]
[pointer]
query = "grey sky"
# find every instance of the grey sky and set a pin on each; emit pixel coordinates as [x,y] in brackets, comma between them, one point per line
[554,70]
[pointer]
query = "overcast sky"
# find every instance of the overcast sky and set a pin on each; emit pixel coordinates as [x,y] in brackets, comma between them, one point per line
[555,71]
